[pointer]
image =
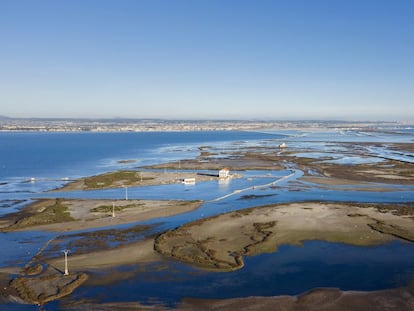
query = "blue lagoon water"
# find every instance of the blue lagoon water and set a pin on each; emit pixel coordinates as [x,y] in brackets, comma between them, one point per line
[50,157]
[81,154]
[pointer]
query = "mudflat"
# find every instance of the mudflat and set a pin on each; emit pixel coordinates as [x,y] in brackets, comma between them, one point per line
[322,170]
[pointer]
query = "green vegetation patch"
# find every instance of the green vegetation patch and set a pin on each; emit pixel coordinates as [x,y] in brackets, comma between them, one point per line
[255,196]
[56,213]
[108,208]
[120,178]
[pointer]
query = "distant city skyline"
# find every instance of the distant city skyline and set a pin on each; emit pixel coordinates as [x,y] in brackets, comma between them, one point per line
[215,59]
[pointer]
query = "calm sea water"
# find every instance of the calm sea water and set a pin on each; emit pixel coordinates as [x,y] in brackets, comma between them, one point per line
[48,157]
[81,154]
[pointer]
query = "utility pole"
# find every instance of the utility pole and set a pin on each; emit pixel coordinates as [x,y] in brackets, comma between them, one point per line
[66,251]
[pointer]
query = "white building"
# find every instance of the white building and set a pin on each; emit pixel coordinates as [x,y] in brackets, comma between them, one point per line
[224,173]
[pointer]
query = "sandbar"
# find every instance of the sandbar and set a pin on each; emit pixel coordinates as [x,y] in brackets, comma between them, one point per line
[220,242]
[326,299]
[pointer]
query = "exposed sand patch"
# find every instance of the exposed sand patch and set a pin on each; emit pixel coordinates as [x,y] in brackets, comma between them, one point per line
[138,252]
[388,176]
[331,181]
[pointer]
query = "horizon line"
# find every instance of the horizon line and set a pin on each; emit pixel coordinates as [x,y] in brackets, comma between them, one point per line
[347,120]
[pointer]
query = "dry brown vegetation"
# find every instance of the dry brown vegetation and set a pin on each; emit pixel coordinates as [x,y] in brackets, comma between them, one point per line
[43,289]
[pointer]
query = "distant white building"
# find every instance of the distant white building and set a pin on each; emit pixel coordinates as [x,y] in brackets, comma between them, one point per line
[224,173]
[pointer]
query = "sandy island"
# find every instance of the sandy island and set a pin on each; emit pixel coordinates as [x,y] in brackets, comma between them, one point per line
[220,242]
[136,178]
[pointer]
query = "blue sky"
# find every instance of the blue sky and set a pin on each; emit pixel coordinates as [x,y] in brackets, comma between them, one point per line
[208,59]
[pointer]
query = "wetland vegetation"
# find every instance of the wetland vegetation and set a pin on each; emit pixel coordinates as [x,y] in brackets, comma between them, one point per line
[221,241]
[54,212]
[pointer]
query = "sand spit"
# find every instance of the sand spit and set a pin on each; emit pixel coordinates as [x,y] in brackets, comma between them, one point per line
[321,299]
[138,252]
[68,215]
[43,289]
[119,179]
[220,242]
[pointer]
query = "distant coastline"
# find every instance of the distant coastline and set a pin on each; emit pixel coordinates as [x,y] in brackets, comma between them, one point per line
[8,124]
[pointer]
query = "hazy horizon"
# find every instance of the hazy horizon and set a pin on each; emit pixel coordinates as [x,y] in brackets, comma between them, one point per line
[208,60]
[260,120]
